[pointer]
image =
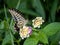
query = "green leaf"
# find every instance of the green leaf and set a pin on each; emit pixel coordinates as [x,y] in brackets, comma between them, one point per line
[23,5]
[53,10]
[11,26]
[55,38]
[30,12]
[6,25]
[52,28]
[24,9]
[11,3]
[1,34]
[18,4]
[35,38]
[31,40]
[8,38]
[5,13]
[39,8]
[43,38]
[12,41]
[2,25]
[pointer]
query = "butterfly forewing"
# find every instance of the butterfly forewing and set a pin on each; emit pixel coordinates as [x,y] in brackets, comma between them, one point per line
[18,18]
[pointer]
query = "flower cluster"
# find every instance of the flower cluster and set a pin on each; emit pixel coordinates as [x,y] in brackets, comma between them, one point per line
[37,22]
[27,30]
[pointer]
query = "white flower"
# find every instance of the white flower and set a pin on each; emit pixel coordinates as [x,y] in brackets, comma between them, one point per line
[25,32]
[37,22]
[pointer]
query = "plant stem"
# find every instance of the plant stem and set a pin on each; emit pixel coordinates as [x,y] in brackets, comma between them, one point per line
[18,4]
[5,13]
[34,29]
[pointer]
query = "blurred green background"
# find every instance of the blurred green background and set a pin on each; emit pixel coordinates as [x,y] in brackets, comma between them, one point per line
[49,10]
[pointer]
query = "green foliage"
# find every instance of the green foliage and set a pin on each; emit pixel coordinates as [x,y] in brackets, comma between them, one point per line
[8,38]
[39,8]
[52,28]
[11,3]
[48,34]
[53,10]
[55,38]
[43,38]
[35,38]
[31,40]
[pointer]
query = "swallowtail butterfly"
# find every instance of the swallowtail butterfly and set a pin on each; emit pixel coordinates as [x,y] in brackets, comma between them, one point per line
[19,20]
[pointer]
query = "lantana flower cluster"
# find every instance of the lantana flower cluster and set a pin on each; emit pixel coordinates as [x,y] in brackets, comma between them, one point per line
[26,31]
[37,22]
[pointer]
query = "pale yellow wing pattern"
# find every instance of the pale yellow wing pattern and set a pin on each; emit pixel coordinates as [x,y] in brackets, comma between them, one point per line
[18,18]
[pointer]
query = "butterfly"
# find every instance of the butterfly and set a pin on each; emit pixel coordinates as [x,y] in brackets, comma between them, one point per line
[20,21]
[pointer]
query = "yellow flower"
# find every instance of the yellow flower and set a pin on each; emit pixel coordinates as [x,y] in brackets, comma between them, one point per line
[37,22]
[25,32]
